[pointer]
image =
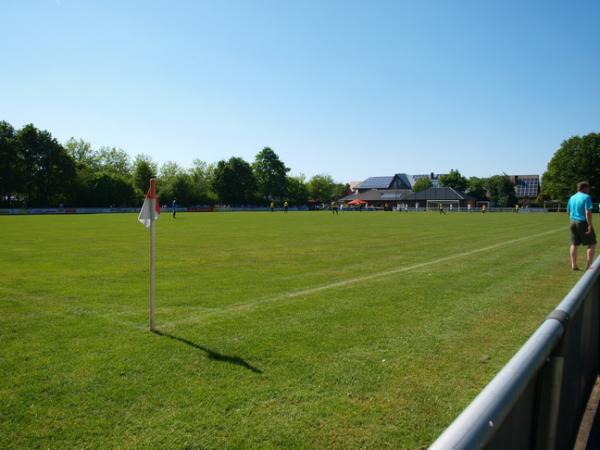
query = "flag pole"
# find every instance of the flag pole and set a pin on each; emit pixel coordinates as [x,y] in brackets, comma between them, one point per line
[153,201]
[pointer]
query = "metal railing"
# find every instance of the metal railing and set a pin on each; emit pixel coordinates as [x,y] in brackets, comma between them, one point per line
[538,399]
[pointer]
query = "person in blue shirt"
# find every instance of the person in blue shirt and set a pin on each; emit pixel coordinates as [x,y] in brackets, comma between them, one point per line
[582,231]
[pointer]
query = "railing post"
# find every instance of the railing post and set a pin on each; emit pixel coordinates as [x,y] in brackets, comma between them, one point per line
[549,391]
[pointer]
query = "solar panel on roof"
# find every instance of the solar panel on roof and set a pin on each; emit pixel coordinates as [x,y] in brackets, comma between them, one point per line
[376,183]
[527,186]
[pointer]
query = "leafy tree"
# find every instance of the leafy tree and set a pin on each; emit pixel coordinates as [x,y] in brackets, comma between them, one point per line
[182,189]
[234,181]
[297,192]
[169,169]
[501,190]
[174,183]
[476,187]
[102,175]
[187,187]
[201,175]
[454,180]
[106,189]
[322,188]
[114,160]
[83,154]
[10,165]
[87,166]
[271,174]
[422,184]
[577,159]
[143,169]
[48,170]
[341,190]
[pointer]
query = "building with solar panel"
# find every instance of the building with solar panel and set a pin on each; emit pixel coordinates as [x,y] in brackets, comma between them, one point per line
[400,181]
[398,189]
[434,178]
[527,187]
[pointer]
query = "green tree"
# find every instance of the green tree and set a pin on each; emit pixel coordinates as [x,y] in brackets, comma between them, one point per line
[10,165]
[114,160]
[87,167]
[322,188]
[422,184]
[454,180]
[49,171]
[476,187]
[297,191]
[83,154]
[107,189]
[234,182]
[182,189]
[270,174]
[577,159]
[501,191]
[143,169]
[201,175]
[174,183]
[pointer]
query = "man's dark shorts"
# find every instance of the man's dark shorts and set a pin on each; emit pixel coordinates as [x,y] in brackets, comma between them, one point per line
[579,236]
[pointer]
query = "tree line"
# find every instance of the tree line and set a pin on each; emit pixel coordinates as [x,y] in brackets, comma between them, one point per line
[38,171]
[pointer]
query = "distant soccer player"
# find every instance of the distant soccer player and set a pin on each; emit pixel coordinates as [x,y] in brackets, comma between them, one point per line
[173,206]
[442,210]
[272,206]
[334,207]
[483,208]
[468,207]
[579,208]
[285,207]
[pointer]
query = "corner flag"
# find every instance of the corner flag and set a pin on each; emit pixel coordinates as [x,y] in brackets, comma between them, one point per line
[149,212]
[148,215]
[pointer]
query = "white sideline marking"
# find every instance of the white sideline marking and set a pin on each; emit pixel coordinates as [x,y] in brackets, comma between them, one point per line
[350,281]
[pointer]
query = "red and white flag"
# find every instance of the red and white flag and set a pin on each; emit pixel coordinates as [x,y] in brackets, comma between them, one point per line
[148,213]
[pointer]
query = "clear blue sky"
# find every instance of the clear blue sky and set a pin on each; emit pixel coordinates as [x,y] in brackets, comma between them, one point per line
[349,88]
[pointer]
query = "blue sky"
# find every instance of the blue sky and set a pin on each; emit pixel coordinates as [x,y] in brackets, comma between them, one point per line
[349,88]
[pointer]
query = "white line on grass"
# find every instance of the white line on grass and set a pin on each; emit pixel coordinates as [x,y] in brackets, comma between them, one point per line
[350,281]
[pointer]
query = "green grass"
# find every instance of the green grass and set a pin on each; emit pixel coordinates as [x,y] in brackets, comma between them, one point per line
[248,355]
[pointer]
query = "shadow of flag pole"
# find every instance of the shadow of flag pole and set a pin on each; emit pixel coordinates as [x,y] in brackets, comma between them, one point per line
[148,216]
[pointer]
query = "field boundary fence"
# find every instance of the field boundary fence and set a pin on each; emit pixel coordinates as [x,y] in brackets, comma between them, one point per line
[165,208]
[537,401]
[209,208]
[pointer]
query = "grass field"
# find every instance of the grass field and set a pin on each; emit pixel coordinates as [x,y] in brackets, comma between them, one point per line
[303,330]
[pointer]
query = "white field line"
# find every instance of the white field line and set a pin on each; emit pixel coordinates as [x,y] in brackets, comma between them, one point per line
[350,281]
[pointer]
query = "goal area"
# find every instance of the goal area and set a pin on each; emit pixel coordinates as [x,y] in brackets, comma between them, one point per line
[447,205]
[553,206]
[479,204]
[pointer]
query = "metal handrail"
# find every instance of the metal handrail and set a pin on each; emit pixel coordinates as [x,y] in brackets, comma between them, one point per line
[478,423]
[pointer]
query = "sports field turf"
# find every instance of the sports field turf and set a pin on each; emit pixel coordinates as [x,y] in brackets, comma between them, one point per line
[303,330]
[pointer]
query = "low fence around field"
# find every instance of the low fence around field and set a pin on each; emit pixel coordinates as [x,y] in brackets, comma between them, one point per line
[42,211]
[538,399]
[164,209]
[38,211]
